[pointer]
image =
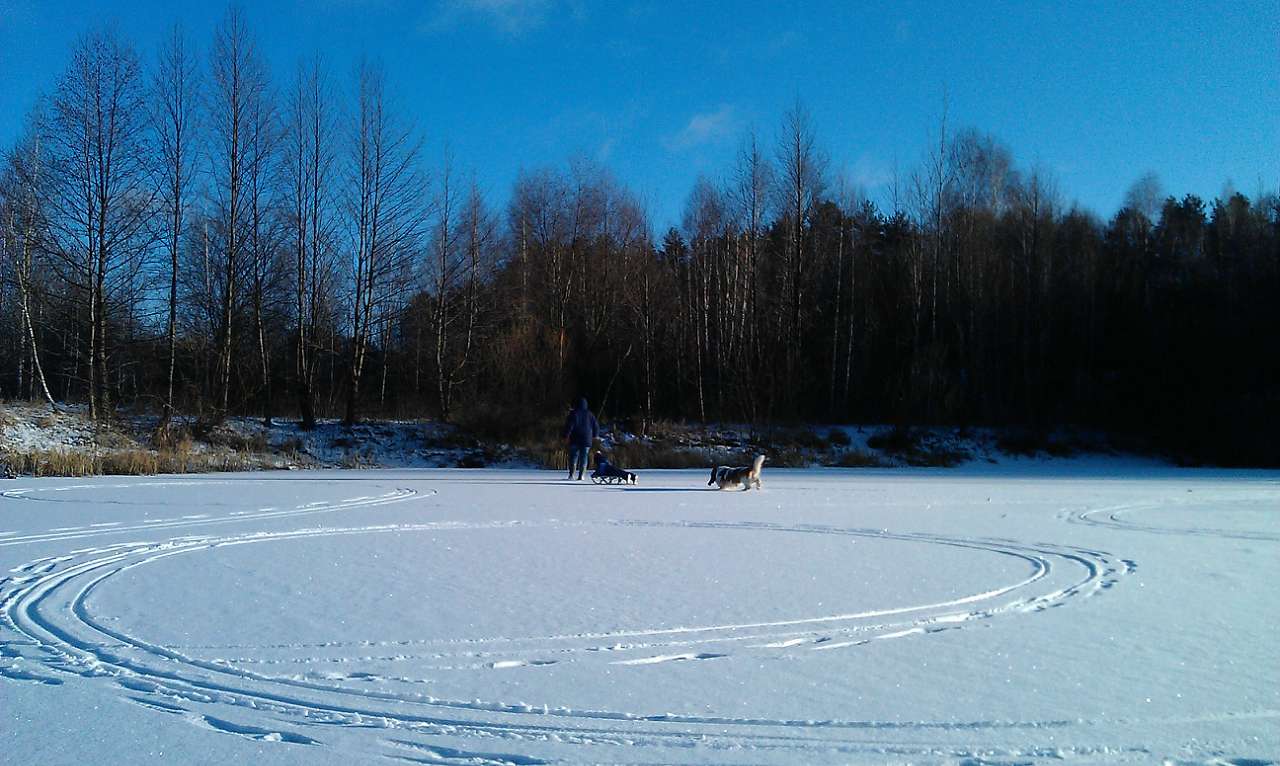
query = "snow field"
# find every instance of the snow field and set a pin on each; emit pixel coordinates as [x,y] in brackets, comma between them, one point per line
[485,617]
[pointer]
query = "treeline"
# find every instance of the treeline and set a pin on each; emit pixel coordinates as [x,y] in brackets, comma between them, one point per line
[189,234]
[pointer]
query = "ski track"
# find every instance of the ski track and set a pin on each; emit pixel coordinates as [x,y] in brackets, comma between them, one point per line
[47,620]
[47,634]
[1111,517]
[201,519]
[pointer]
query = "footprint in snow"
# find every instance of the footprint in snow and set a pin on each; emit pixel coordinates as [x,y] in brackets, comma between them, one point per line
[504,664]
[670,658]
[252,732]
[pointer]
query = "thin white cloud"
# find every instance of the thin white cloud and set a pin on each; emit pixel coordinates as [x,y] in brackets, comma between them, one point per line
[509,17]
[704,128]
[605,150]
[870,172]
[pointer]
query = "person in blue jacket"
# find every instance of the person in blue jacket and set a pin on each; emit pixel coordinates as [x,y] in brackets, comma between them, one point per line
[580,430]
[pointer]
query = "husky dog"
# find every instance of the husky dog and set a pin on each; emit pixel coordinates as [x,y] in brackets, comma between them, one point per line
[746,476]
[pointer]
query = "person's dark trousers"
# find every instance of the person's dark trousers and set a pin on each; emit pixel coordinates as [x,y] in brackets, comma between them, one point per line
[577,460]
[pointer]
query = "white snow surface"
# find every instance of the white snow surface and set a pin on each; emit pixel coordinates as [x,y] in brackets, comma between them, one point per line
[1096,613]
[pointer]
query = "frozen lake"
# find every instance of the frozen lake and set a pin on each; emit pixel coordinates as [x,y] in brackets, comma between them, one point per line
[1002,615]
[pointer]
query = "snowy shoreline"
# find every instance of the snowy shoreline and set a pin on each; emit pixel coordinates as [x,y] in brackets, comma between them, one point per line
[37,441]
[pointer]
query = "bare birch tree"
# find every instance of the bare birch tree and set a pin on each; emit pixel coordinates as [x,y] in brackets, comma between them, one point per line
[703,225]
[444,270]
[385,212]
[239,82]
[801,168]
[308,168]
[262,236]
[99,196]
[461,254]
[21,221]
[750,190]
[174,99]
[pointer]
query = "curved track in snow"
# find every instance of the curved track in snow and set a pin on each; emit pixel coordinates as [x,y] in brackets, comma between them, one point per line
[338,694]
[1115,517]
[44,612]
[149,525]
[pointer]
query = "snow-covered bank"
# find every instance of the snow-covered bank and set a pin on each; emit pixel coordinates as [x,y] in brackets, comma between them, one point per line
[35,434]
[35,440]
[973,615]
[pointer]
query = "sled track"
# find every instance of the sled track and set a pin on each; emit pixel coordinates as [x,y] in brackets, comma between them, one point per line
[1113,517]
[47,494]
[48,633]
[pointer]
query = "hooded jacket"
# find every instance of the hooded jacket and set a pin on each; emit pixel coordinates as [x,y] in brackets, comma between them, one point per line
[580,426]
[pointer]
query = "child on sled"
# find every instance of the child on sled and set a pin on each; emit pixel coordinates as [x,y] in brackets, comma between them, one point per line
[607,473]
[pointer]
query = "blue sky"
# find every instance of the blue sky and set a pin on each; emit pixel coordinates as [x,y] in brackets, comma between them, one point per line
[659,92]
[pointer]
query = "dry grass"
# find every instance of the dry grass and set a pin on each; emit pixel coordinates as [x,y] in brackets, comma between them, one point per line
[135,462]
[170,437]
[217,434]
[358,458]
[549,455]
[50,463]
[293,450]
[234,440]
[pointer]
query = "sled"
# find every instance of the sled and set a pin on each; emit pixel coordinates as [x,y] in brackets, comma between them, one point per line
[602,479]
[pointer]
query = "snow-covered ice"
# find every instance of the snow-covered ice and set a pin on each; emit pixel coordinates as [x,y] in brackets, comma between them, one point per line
[998,614]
